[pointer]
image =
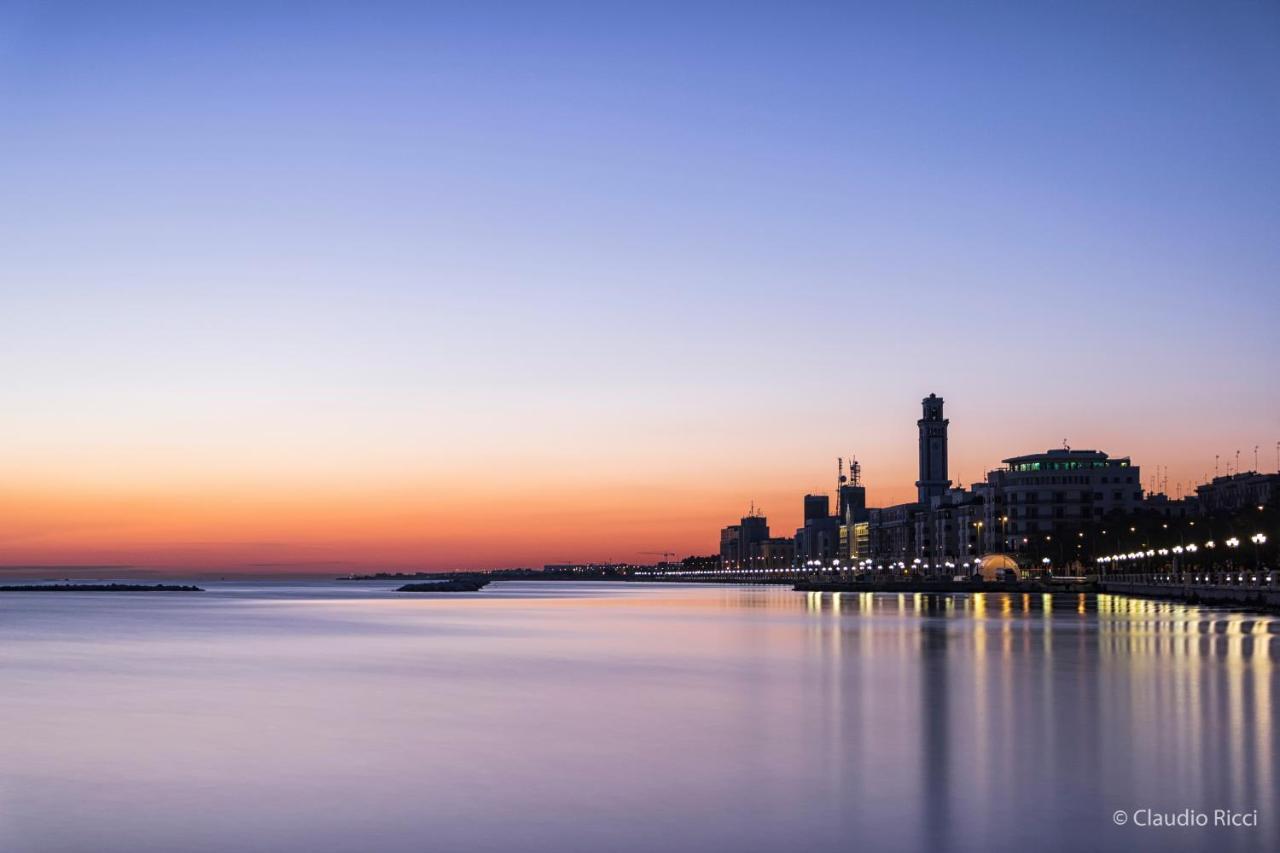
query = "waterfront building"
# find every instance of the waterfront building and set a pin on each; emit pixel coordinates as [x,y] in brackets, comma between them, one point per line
[852,501]
[1237,491]
[819,538]
[855,541]
[854,518]
[776,552]
[731,551]
[731,546]
[816,507]
[1053,495]
[755,529]
[892,533]
[1166,507]
[738,542]
[993,523]
[952,529]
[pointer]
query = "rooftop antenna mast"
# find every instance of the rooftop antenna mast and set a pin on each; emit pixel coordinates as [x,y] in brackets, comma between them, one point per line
[855,467]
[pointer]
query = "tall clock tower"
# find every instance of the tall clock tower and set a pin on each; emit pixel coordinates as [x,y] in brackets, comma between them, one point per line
[933,450]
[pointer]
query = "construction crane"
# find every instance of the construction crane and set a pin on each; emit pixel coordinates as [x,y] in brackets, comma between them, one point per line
[665,555]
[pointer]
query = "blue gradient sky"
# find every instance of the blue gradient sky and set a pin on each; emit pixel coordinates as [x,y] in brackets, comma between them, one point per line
[350,282]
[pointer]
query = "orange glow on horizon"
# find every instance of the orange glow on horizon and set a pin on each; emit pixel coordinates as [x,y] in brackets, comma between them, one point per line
[329,499]
[435,529]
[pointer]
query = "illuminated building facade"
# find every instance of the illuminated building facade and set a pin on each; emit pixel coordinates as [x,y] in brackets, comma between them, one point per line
[1059,491]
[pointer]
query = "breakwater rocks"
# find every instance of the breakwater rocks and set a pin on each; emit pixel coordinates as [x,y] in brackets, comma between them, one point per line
[454,585]
[99,587]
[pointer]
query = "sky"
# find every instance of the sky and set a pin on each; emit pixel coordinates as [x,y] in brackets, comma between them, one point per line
[308,287]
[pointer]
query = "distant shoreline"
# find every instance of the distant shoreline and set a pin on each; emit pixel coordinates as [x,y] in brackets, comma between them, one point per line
[99,587]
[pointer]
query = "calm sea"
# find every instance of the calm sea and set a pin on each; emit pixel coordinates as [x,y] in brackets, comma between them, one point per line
[606,717]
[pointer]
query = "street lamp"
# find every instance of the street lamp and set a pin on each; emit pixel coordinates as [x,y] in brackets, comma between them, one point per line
[1233,543]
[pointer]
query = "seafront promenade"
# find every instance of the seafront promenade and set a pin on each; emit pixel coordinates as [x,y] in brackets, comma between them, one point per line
[1256,591]
[1220,596]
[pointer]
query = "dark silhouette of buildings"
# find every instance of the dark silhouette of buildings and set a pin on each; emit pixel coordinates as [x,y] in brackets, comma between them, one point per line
[1053,505]
[933,451]
[747,545]
[819,539]
[1237,491]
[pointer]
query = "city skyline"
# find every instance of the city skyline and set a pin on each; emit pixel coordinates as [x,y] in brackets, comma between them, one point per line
[1055,511]
[425,288]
